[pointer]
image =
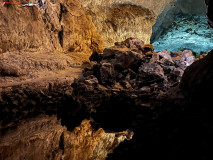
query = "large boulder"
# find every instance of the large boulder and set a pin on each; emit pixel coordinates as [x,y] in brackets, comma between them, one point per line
[105,73]
[186,60]
[150,73]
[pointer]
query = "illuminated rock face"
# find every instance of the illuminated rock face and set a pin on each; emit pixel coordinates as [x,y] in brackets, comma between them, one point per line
[55,25]
[118,20]
[131,23]
[121,21]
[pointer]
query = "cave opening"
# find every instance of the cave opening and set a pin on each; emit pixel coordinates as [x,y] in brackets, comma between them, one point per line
[183,25]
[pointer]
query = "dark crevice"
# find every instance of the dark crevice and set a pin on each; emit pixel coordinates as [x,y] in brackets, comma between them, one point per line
[61,142]
[60,36]
[63,9]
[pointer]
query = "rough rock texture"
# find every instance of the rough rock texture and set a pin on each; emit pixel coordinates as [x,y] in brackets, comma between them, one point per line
[187,113]
[130,69]
[44,138]
[120,21]
[179,127]
[185,31]
[60,25]
[26,130]
[156,6]
[182,127]
[192,6]
[118,88]
[167,16]
[117,20]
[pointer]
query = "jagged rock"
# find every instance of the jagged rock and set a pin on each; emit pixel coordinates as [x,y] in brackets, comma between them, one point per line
[105,73]
[133,43]
[150,73]
[186,60]
[95,57]
[176,55]
[118,86]
[112,20]
[165,54]
[123,58]
[124,68]
[51,27]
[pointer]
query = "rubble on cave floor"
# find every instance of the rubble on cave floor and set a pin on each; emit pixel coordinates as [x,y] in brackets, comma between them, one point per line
[133,69]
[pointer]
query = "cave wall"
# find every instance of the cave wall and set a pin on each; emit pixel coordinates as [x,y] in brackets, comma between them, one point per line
[56,25]
[116,20]
[121,21]
[166,17]
[192,6]
[156,6]
[86,26]
[77,26]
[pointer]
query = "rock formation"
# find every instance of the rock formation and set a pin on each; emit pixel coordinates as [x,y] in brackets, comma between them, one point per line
[132,68]
[44,138]
[118,20]
[167,16]
[49,109]
[59,25]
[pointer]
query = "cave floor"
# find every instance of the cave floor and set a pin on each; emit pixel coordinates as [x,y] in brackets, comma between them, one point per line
[24,68]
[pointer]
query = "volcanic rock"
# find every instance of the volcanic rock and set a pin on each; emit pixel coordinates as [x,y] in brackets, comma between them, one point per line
[130,66]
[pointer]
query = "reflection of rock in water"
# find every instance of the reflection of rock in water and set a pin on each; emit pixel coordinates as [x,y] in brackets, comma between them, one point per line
[43,137]
[186,32]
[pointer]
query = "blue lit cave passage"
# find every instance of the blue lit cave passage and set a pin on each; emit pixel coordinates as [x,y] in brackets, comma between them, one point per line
[186,32]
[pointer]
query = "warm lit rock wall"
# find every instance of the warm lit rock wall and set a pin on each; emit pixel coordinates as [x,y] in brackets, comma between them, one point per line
[116,20]
[156,6]
[121,21]
[59,24]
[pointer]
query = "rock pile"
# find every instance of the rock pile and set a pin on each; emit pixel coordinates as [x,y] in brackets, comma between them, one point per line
[130,67]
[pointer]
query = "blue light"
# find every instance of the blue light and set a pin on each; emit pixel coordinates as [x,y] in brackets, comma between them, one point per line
[186,32]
